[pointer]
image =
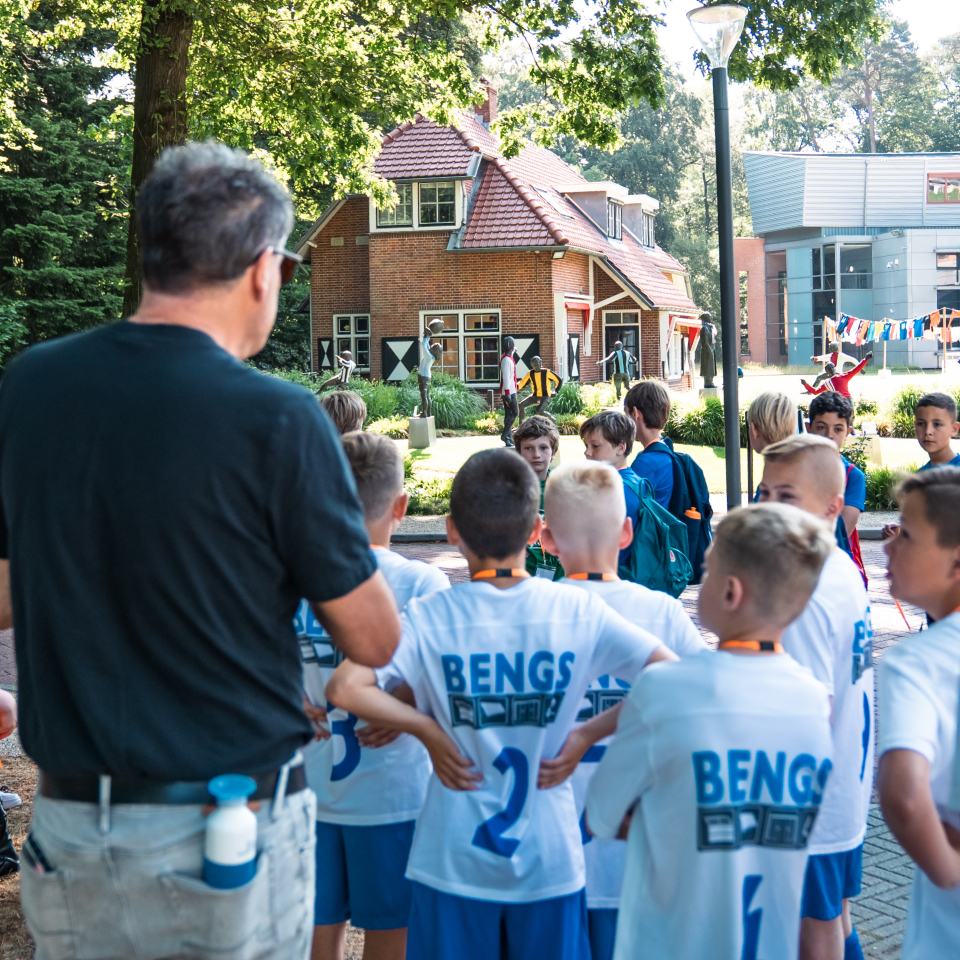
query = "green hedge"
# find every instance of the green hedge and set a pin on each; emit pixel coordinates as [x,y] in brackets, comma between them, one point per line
[454,405]
[703,425]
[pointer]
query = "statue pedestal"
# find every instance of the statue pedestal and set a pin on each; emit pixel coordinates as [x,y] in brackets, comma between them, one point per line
[422,433]
[709,392]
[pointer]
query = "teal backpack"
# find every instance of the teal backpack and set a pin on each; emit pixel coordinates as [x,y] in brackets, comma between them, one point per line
[657,556]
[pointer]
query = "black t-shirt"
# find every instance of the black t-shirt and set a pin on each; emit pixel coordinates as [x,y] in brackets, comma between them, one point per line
[164,507]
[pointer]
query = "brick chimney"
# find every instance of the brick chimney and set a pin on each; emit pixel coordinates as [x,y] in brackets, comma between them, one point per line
[488,109]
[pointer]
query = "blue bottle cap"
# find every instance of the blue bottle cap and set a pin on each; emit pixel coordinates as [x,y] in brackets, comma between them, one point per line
[231,787]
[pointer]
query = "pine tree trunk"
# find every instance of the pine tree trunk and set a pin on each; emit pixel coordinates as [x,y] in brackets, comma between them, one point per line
[159,109]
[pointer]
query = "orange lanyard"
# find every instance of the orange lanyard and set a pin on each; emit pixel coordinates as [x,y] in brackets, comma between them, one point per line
[495,574]
[758,646]
[605,577]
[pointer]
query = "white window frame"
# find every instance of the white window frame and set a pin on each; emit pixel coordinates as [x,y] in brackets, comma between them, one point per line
[415,225]
[610,319]
[381,224]
[648,229]
[348,340]
[614,222]
[461,335]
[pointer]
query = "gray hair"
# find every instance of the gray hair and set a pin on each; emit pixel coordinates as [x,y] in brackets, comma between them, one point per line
[205,213]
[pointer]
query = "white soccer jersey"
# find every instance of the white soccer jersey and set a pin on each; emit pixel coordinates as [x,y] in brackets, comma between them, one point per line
[722,758]
[666,619]
[357,786]
[504,673]
[833,637]
[919,690]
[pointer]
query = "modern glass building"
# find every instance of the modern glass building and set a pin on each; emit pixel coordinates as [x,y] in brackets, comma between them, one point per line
[876,236]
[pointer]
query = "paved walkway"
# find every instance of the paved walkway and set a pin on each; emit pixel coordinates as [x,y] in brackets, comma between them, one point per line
[881,909]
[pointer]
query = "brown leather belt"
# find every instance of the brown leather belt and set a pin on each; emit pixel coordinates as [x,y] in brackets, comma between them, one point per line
[86,789]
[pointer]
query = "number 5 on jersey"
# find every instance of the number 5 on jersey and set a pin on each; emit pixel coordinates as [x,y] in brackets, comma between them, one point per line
[490,834]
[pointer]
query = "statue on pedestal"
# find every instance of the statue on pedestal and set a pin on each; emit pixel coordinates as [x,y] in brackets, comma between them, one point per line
[429,354]
[708,350]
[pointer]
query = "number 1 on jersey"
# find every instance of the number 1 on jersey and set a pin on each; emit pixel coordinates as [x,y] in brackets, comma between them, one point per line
[751,918]
[490,834]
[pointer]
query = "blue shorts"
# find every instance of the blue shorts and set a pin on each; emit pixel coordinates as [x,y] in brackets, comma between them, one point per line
[602,925]
[831,878]
[360,875]
[447,927]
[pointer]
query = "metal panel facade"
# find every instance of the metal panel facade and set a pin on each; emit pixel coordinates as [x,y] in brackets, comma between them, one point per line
[834,190]
[775,186]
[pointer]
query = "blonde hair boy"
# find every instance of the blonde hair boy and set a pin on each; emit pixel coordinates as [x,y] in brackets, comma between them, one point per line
[833,638]
[700,758]
[771,417]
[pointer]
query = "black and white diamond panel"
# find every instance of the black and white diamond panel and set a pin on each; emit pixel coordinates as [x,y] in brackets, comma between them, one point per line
[399,355]
[527,346]
[573,356]
[324,353]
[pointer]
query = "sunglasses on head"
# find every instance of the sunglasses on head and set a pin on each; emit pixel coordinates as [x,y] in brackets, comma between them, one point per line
[288,264]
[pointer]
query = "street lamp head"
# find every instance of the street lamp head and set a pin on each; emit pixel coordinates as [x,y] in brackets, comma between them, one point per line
[718,28]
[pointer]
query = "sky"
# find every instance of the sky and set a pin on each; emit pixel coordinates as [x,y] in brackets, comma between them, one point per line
[929,20]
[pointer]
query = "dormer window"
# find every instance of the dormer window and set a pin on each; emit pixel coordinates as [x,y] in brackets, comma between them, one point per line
[647,237]
[402,214]
[438,203]
[614,220]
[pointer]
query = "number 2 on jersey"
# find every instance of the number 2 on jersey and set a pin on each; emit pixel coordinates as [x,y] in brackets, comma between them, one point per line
[490,834]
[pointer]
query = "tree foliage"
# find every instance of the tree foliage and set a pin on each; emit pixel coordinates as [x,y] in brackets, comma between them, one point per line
[312,84]
[62,209]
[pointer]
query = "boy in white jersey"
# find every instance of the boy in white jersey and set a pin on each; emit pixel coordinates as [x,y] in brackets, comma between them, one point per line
[919,776]
[586,526]
[834,639]
[502,663]
[367,799]
[720,761]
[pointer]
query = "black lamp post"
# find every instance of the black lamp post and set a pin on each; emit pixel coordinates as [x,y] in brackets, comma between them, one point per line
[718,27]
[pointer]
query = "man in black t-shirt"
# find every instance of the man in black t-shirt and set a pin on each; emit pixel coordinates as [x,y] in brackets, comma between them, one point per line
[163,506]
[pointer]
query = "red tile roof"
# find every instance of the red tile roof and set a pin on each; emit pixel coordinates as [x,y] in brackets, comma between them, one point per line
[517,203]
[432,152]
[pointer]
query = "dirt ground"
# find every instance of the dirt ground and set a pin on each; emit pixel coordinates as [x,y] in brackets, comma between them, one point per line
[19,775]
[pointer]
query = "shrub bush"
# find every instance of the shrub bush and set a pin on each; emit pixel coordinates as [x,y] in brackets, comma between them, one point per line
[397,428]
[381,398]
[429,496]
[901,425]
[596,396]
[488,425]
[569,424]
[455,405]
[309,380]
[865,408]
[567,400]
[856,452]
[881,485]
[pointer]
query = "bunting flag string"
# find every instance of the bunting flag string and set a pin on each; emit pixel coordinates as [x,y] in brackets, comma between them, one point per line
[942,325]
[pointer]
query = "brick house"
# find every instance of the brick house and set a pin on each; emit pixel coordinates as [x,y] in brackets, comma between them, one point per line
[524,247]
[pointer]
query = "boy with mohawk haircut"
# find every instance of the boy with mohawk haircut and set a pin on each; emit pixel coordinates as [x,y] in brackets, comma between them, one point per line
[586,527]
[499,667]
[834,639]
[719,762]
